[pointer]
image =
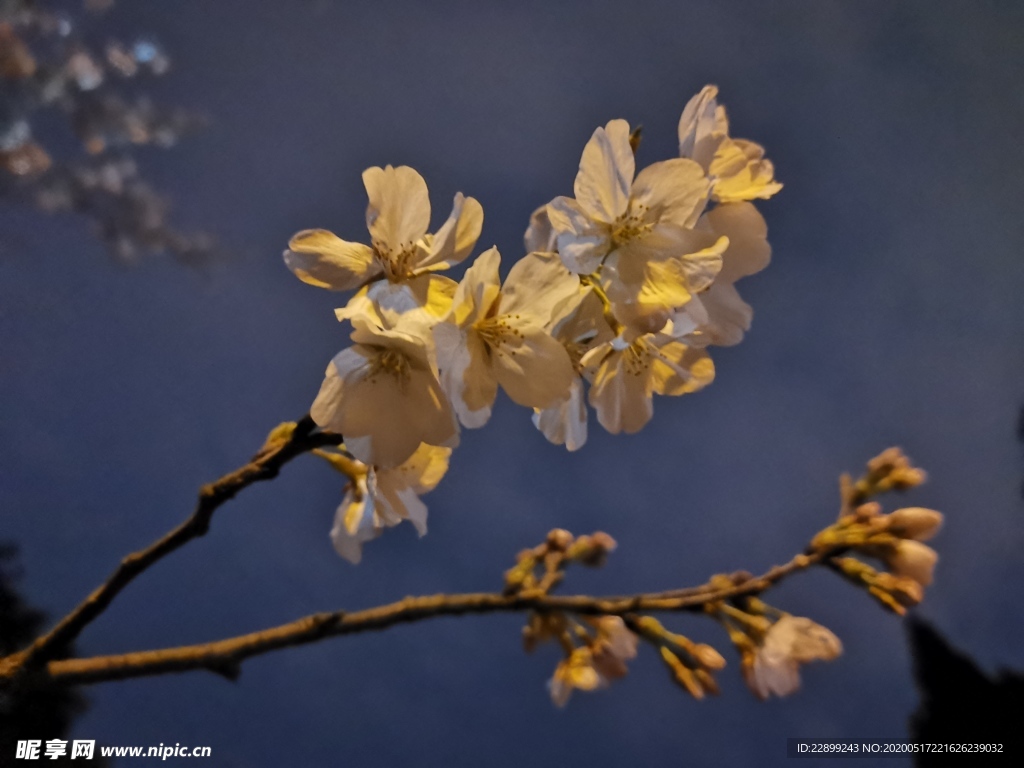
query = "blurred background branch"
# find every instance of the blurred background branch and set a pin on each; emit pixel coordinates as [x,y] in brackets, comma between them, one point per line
[73,111]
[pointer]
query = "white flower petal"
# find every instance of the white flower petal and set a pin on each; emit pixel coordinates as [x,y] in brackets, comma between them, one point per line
[672,192]
[454,241]
[620,395]
[748,250]
[323,259]
[540,235]
[466,375]
[606,173]
[702,127]
[347,366]
[535,371]
[582,243]
[565,423]
[538,286]
[399,211]
[354,524]
[728,316]
[421,300]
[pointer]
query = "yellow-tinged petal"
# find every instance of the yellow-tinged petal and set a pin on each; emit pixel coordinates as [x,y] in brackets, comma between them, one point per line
[323,259]
[354,523]
[677,369]
[456,238]
[478,289]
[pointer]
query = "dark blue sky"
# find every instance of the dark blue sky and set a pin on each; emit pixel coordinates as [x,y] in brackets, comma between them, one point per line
[891,314]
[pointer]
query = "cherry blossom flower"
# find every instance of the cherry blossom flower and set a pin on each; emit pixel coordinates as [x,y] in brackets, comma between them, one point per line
[791,641]
[614,645]
[737,168]
[585,328]
[595,665]
[626,373]
[383,395]
[496,335]
[401,250]
[639,232]
[380,498]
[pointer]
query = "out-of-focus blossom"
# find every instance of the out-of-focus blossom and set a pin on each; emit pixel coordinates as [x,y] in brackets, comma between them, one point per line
[594,665]
[911,559]
[577,671]
[380,498]
[914,523]
[774,667]
[496,335]
[48,66]
[613,646]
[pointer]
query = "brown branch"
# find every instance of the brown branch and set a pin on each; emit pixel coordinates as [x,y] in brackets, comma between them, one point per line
[264,466]
[225,656]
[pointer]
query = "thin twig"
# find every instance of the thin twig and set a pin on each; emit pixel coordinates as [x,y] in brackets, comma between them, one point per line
[225,656]
[264,466]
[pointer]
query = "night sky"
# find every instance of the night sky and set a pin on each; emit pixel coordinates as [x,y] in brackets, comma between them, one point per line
[891,315]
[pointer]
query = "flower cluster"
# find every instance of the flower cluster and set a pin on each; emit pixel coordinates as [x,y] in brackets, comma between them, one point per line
[623,287]
[595,648]
[772,644]
[896,539]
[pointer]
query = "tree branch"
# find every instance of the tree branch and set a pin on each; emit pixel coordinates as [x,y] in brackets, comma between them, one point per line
[224,657]
[264,465]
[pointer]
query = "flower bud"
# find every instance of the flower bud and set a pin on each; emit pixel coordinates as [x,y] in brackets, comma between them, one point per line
[707,656]
[868,510]
[559,539]
[914,560]
[915,523]
[903,478]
